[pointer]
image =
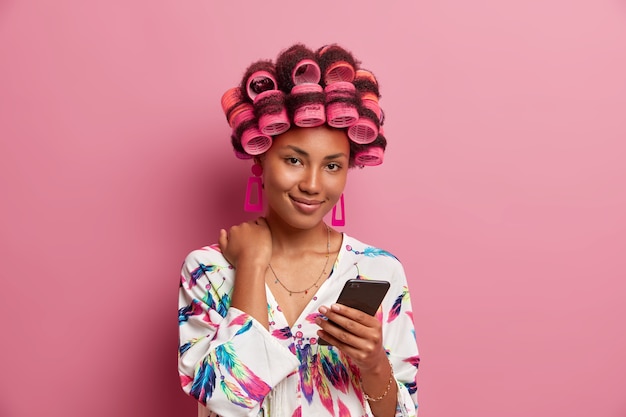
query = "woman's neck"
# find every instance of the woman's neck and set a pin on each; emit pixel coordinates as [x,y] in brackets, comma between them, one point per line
[290,241]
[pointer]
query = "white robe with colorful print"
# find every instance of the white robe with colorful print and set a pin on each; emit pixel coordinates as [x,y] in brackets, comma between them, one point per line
[235,367]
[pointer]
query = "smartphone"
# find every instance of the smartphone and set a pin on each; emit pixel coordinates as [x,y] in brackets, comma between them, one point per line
[362,294]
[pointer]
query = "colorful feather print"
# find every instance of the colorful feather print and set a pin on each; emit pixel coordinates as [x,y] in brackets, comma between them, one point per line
[234,395]
[355,380]
[413,360]
[204,382]
[306,382]
[184,348]
[343,410]
[246,326]
[256,388]
[185,380]
[313,316]
[223,300]
[192,309]
[240,320]
[209,301]
[333,369]
[370,252]
[223,305]
[282,334]
[297,412]
[199,271]
[397,305]
[323,390]
[411,387]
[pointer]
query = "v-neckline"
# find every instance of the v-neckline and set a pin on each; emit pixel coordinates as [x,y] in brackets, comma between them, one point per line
[270,295]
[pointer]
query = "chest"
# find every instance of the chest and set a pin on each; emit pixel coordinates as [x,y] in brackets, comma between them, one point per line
[294,285]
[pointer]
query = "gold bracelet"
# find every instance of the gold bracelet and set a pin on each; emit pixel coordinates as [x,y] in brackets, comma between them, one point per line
[391,380]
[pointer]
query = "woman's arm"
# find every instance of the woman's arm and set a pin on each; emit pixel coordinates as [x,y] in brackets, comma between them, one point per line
[248,247]
[379,344]
[219,361]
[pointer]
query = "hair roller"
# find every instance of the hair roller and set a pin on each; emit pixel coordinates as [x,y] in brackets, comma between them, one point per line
[341,104]
[261,87]
[246,129]
[259,77]
[306,71]
[336,64]
[365,130]
[269,107]
[254,142]
[307,89]
[296,65]
[240,153]
[371,154]
[233,103]
[370,157]
[364,81]
[307,101]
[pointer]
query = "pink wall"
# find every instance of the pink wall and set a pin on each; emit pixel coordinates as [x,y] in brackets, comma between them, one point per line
[502,192]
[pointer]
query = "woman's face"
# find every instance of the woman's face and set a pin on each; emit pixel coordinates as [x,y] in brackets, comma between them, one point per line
[304,174]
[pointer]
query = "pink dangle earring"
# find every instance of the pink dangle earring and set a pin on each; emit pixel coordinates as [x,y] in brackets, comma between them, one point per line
[341,219]
[254,189]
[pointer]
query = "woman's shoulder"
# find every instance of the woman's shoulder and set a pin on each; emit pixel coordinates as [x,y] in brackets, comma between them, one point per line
[363,252]
[206,255]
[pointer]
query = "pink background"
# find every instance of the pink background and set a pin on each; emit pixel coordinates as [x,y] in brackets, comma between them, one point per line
[503,192]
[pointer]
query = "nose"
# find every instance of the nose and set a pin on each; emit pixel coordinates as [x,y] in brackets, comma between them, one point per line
[310,182]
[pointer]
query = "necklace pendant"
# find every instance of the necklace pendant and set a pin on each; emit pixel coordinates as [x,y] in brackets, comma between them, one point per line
[306,292]
[275,281]
[290,293]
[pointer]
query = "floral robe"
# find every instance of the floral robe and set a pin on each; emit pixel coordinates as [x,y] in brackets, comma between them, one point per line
[233,366]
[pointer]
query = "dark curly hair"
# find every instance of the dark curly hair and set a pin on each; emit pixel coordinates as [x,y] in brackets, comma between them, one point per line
[307,88]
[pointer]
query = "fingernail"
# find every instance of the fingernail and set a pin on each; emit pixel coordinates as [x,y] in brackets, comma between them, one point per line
[335,307]
[323,310]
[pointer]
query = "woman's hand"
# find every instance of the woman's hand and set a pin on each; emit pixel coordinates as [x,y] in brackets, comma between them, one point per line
[248,243]
[355,333]
[248,247]
[359,335]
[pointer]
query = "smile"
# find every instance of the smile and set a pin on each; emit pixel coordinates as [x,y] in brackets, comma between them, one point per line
[306,206]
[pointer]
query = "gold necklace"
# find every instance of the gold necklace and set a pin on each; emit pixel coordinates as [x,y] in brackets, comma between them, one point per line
[306,290]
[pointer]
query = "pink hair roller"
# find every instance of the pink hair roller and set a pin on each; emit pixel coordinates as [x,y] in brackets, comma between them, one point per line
[373,106]
[273,123]
[230,98]
[338,72]
[260,82]
[370,157]
[234,104]
[309,114]
[340,113]
[306,71]
[243,116]
[364,131]
[254,142]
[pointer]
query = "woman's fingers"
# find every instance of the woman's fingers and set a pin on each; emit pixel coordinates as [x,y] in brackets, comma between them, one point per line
[247,242]
[350,326]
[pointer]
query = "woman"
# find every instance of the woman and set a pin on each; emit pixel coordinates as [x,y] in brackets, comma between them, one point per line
[255,307]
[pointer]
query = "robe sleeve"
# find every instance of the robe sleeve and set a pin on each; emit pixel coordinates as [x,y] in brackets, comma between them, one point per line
[227,360]
[400,342]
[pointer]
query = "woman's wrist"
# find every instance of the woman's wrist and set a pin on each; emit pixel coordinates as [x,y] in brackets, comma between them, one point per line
[373,396]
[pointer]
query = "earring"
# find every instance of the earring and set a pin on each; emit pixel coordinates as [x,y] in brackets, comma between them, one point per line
[255,186]
[341,220]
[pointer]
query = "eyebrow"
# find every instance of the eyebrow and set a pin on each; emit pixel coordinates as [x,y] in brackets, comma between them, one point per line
[305,153]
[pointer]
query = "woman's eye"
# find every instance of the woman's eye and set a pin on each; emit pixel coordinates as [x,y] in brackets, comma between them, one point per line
[333,167]
[293,161]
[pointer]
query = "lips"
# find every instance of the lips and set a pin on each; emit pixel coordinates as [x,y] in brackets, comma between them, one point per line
[305,205]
